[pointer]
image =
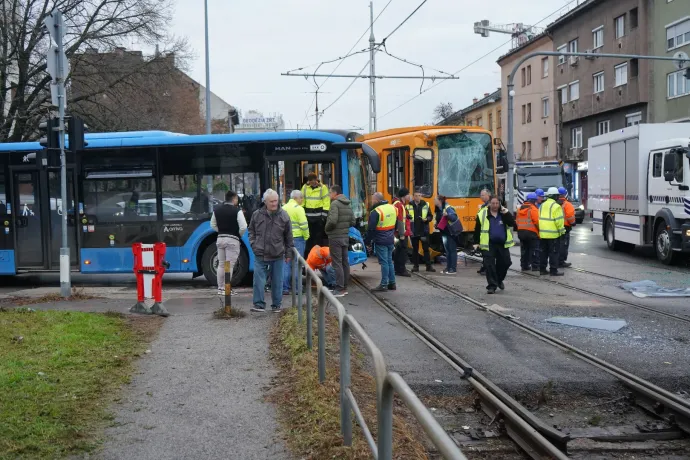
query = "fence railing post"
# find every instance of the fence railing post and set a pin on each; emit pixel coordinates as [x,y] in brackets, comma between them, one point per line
[293,270]
[299,290]
[345,409]
[385,421]
[322,336]
[309,280]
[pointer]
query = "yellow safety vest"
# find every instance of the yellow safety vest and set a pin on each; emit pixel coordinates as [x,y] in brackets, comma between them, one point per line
[317,202]
[298,219]
[551,220]
[425,211]
[484,235]
[388,217]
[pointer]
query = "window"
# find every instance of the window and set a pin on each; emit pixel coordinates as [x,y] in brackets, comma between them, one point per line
[524,150]
[678,34]
[545,107]
[395,163]
[545,146]
[357,172]
[634,68]
[563,93]
[677,85]
[657,164]
[572,46]
[576,137]
[598,82]
[524,114]
[523,72]
[498,119]
[575,90]
[678,176]
[633,18]
[491,121]
[603,127]
[633,119]
[423,172]
[562,49]
[621,72]
[529,113]
[598,37]
[465,164]
[480,122]
[619,26]
[545,67]
[529,74]
[469,122]
[529,149]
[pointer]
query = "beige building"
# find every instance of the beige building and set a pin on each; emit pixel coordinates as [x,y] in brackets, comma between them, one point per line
[534,128]
[484,112]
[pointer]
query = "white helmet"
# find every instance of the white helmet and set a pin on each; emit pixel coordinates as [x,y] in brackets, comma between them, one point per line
[552,191]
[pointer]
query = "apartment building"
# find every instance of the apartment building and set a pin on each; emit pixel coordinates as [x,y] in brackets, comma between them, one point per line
[485,112]
[669,34]
[534,129]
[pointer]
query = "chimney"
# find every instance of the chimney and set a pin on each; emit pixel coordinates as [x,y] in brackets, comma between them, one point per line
[486,94]
[120,50]
[475,100]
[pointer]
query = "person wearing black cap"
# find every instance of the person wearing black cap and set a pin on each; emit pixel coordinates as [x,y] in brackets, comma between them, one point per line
[402,233]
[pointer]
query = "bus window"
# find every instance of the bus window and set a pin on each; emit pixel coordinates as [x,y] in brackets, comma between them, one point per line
[395,163]
[358,191]
[465,164]
[424,172]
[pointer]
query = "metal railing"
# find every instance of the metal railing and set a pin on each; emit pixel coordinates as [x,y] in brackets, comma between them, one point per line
[387,383]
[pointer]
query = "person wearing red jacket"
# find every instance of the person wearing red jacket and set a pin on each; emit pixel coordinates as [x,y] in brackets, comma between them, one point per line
[403,232]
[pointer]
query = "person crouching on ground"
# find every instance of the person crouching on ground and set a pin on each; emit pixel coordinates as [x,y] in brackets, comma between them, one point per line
[382,221]
[320,261]
[270,236]
[494,232]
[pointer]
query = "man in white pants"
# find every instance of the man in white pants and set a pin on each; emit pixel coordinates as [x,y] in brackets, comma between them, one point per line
[228,220]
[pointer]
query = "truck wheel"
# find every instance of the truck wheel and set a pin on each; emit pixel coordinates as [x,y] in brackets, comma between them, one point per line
[209,265]
[610,232]
[662,244]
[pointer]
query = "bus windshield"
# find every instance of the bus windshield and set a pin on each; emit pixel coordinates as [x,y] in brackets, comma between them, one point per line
[465,164]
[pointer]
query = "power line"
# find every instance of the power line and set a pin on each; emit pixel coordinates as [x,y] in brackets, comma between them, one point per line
[404,21]
[472,63]
[346,89]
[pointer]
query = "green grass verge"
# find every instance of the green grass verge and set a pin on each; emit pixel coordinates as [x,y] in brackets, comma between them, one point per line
[58,371]
[310,411]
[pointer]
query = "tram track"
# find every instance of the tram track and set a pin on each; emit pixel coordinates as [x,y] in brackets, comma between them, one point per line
[546,279]
[535,436]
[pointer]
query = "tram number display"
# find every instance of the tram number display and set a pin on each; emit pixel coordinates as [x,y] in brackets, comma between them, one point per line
[469,218]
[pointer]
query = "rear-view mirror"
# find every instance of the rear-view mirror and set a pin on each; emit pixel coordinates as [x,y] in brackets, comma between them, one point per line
[670,166]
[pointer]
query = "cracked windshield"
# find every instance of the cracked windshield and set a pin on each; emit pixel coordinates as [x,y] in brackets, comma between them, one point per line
[465,164]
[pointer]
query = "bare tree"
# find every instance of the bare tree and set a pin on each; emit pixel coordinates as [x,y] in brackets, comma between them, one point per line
[90,24]
[442,111]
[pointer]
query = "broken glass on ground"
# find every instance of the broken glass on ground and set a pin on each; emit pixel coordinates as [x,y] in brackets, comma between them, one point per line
[647,288]
[603,324]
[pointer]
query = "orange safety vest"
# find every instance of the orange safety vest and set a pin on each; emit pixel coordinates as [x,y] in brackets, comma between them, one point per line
[568,213]
[528,220]
[319,257]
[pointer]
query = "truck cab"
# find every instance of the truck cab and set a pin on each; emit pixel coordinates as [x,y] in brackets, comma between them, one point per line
[531,175]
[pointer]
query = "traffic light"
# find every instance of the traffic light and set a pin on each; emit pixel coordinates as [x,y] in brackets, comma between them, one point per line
[49,133]
[75,130]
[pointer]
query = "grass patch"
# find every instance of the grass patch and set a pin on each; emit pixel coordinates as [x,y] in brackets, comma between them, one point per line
[310,412]
[19,301]
[59,371]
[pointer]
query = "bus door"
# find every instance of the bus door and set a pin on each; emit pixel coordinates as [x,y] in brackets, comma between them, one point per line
[37,217]
[397,165]
[324,170]
[276,180]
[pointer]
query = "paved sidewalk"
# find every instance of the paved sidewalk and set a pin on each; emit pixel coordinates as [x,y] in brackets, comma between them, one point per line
[199,393]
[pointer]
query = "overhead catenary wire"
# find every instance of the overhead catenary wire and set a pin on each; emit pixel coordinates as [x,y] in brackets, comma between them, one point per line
[404,21]
[472,63]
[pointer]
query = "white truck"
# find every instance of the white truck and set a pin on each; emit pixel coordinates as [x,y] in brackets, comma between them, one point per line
[531,175]
[639,188]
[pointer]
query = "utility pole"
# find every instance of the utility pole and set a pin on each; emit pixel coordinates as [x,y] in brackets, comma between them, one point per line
[58,67]
[209,179]
[372,71]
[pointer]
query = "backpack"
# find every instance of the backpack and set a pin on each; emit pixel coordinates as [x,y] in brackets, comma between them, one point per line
[454,224]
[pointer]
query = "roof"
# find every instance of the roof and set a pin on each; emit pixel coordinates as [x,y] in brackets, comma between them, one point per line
[429,129]
[490,99]
[583,7]
[536,38]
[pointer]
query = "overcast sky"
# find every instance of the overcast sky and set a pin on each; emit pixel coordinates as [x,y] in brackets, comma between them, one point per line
[253,42]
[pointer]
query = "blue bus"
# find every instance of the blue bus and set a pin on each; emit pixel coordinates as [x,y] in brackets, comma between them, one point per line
[150,186]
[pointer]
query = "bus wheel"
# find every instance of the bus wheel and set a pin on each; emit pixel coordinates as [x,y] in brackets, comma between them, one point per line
[209,265]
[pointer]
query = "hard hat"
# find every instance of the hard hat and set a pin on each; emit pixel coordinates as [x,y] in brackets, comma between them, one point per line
[539,192]
[562,191]
[552,191]
[531,197]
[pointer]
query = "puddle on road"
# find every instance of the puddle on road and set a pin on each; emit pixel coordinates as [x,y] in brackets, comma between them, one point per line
[603,324]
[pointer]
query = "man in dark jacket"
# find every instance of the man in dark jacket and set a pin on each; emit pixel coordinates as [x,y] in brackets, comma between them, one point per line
[340,219]
[493,230]
[270,236]
[383,219]
[420,216]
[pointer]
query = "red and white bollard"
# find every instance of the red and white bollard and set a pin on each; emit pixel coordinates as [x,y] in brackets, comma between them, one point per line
[149,267]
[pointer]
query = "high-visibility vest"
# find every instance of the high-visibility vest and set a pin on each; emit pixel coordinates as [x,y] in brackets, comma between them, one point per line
[317,202]
[568,213]
[298,219]
[484,235]
[425,211]
[551,220]
[388,217]
[319,257]
[528,218]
